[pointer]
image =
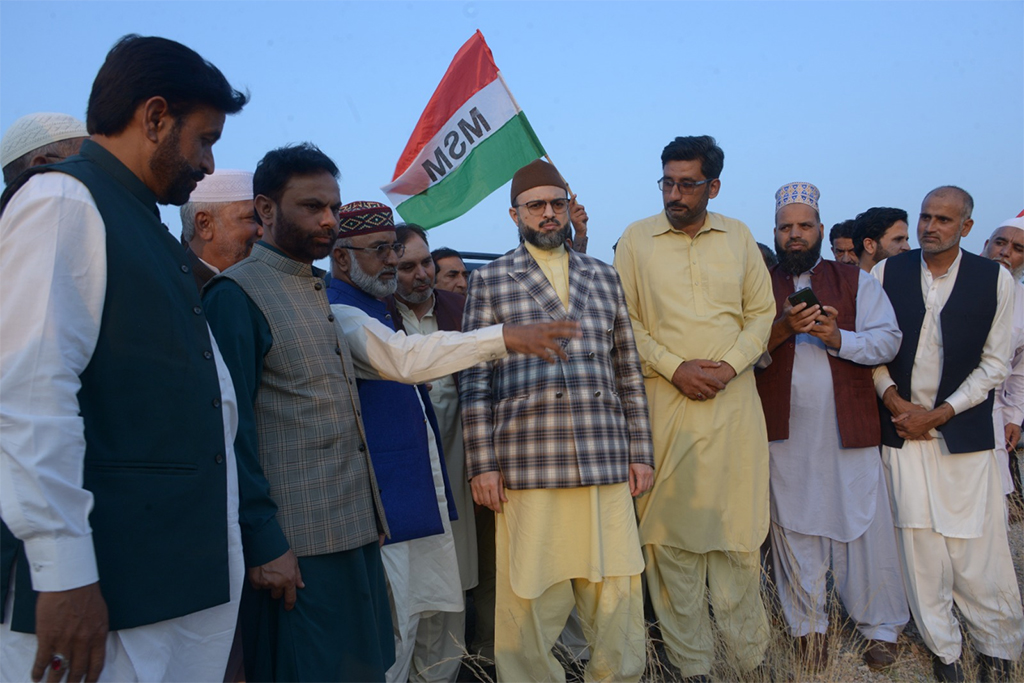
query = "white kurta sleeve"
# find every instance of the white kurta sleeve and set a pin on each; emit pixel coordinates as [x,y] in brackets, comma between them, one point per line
[1010,400]
[54,271]
[877,336]
[379,352]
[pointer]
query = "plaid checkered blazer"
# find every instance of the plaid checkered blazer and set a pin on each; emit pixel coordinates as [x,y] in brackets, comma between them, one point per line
[561,425]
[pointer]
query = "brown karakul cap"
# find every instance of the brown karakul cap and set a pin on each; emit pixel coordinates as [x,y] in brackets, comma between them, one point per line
[536,174]
[363,218]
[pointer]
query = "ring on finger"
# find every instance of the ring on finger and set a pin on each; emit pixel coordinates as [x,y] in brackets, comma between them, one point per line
[58,662]
[700,396]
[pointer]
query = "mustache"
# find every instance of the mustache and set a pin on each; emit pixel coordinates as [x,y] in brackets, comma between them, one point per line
[387,270]
[797,240]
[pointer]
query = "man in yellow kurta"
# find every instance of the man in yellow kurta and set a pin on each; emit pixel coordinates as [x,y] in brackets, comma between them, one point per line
[558,450]
[701,305]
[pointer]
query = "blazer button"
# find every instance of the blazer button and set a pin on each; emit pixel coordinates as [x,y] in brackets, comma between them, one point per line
[216,403]
[591,355]
[219,458]
[330,316]
[558,394]
[198,310]
[337,350]
[609,330]
[318,285]
[184,268]
[597,393]
[207,355]
[362,448]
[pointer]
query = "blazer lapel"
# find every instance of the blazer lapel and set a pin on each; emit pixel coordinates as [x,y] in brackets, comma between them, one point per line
[530,277]
[580,280]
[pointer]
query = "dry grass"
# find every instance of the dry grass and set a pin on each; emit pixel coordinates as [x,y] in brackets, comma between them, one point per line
[782,662]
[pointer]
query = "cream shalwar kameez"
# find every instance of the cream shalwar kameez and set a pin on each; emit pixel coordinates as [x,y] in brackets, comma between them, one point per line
[560,548]
[440,638]
[706,297]
[948,509]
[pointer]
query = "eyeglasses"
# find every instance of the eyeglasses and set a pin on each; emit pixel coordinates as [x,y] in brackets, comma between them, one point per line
[685,186]
[381,249]
[536,208]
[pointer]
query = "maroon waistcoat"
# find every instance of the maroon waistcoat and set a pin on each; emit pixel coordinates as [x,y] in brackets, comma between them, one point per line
[856,406]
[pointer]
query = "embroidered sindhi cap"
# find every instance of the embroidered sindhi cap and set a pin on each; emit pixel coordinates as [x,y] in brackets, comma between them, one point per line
[363,218]
[38,130]
[1017,222]
[536,174]
[223,187]
[797,193]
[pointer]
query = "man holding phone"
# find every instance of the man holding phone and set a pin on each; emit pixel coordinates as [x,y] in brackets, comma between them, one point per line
[828,495]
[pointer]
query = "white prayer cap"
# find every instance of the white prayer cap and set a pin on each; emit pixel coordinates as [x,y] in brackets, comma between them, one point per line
[222,187]
[1017,222]
[38,130]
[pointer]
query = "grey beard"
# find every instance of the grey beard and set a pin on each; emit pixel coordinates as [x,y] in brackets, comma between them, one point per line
[378,289]
[417,297]
[547,241]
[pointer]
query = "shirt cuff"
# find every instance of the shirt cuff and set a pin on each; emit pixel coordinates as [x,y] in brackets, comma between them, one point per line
[60,564]
[958,401]
[491,341]
[847,345]
[737,361]
[882,383]
[668,364]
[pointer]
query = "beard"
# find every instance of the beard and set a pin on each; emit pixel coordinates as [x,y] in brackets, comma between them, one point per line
[548,241]
[796,262]
[299,244]
[372,284]
[414,297]
[178,175]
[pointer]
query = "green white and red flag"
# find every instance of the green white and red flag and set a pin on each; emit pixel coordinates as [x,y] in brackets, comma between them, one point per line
[469,141]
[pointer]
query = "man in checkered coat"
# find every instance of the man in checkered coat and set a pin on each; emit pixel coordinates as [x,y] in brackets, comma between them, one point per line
[559,450]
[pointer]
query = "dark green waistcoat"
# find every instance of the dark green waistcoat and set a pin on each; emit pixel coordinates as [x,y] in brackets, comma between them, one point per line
[150,400]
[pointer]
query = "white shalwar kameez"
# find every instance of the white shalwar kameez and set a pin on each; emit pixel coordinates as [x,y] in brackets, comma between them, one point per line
[949,509]
[828,501]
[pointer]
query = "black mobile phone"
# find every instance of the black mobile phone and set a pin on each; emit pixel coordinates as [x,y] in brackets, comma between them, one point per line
[804,296]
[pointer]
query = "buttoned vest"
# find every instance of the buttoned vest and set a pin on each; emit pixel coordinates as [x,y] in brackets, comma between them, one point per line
[150,402]
[835,285]
[396,432]
[965,322]
[312,446]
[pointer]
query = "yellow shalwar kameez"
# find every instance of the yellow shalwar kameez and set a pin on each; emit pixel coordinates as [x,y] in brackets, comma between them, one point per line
[706,297]
[560,548]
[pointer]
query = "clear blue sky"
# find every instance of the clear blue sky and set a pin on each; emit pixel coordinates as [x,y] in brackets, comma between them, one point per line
[874,102]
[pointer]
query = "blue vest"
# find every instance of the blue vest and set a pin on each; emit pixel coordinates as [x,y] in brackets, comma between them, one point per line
[150,401]
[397,437]
[966,320]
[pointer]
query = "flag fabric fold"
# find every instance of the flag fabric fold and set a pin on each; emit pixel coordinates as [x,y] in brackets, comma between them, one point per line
[470,140]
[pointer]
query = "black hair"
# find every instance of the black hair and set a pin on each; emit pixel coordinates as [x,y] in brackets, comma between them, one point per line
[405,231]
[702,147]
[138,68]
[444,252]
[874,223]
[278,166]
[841,230]
[768,254]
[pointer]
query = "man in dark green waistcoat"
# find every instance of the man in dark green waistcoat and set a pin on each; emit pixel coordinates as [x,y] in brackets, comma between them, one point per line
[119,491]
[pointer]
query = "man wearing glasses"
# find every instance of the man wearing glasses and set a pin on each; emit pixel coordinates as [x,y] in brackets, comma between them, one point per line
[312,506]
[559,451]
[701,304]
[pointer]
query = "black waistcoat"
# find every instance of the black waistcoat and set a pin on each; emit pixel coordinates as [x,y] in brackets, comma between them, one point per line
[965,322]
[150,401]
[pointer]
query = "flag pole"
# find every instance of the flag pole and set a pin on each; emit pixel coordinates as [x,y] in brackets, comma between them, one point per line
[518,108]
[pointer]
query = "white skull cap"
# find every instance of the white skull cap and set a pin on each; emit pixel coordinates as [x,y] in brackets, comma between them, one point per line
[33,131]
[223,187]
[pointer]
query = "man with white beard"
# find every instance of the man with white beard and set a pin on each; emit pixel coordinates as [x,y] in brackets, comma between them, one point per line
[1006,246]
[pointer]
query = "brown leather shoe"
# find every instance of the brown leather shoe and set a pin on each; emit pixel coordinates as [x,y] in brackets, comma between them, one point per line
[814,651]
[880,655]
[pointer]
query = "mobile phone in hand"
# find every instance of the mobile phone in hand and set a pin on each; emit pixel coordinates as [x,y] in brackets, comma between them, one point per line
[804,296]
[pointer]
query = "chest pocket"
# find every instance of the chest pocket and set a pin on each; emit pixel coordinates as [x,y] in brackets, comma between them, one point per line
[723,283]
